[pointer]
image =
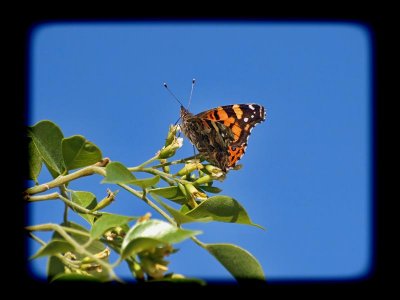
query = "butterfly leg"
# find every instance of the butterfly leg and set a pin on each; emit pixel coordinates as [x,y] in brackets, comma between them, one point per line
[194,154]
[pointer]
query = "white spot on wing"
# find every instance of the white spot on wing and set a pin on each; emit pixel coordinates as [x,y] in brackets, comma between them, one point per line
[246,119]
[251,107]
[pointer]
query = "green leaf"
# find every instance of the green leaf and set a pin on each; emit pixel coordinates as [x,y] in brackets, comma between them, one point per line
[54,267]
[47,138]
[106,222]
[53,247]
[35,161]
[145,183]
[222,209]
[94,247]
[210,189]
[117,173]
[184,209]
[138,245]
[172,193]
[87,200]
[79,152]
[179,216]
[239,262]
[157,231]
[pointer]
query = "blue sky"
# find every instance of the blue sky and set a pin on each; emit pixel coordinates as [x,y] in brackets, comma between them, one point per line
[306,175]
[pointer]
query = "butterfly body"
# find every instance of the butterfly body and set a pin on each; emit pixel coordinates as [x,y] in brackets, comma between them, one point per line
[221,133]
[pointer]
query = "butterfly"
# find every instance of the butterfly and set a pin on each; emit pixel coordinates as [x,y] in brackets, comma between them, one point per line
[221,134]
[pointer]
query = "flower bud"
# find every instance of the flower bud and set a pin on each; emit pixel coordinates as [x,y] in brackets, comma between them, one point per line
[103,254]
[168,151]
[153,269]
[152,260]
[165,169]
[189,168]
[173,129]
[215,172]
[106,201]
[91,267]
[203,179]
[144,218]
[195,193]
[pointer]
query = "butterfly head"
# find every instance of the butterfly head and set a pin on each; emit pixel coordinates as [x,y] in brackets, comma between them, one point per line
[185,113]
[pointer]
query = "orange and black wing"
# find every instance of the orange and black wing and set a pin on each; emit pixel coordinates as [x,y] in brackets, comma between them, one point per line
[240,118]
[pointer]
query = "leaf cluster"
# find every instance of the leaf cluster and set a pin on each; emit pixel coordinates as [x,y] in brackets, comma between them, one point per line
[77,253]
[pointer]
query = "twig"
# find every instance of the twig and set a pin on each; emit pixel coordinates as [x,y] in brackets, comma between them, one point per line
[163,175]
[68,202]
[62,179]
[148,161]
[147,201]
[175,162]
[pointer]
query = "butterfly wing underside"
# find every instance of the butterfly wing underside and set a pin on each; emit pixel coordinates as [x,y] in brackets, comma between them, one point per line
[240,119]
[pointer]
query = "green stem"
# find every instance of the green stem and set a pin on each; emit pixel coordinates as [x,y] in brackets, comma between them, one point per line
[69,203]
[45,197]
[37,239]
[148,202]
[65,214]
[175,162]
[50,227]
[197,241]
[60,180]
[171,179]
[147,162]
[79,208]
[163,175]
[64,197]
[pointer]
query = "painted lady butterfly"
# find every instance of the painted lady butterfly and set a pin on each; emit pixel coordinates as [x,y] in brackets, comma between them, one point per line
[220,134]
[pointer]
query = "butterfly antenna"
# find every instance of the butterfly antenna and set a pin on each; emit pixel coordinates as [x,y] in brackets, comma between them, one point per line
[191,92]
[177,121]
[166,86]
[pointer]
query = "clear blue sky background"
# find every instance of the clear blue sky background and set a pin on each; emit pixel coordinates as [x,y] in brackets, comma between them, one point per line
[307,171]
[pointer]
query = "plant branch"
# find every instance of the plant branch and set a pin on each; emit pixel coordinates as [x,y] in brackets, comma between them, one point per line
[50,227]
[148,161]
[37,239]
[45,197]
[163,175]
[198,242]
[147,201]
[64,197]
[175,162]
[79,208]
[62,179]
[69,203]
